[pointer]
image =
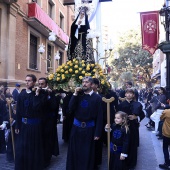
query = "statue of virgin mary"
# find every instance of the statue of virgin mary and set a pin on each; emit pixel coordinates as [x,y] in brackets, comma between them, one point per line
[79,46]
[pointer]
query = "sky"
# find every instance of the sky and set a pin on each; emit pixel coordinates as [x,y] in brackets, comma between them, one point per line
[120,15]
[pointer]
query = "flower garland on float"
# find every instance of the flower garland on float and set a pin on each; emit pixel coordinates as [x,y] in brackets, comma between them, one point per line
[70,75]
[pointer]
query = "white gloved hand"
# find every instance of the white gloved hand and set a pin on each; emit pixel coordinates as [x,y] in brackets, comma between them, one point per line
[3,126]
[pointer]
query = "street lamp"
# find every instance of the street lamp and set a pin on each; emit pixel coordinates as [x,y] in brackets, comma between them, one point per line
[165,15]
[52,37]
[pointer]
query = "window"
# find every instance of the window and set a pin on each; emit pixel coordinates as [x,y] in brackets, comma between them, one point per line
[33,52]
[49,57]
[61,58]
[50,9]
[61,21]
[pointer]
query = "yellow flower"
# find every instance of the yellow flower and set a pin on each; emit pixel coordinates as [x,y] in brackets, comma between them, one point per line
[76,62]
[83,72]
[66,67]
[57,70]
[63,78]
[58,74]
[50,77]
[76,71]
[73,75]
[66,72]
[71,64]
[86,74]
[80,68]
[89,74]
[58,78]
[94,70]
[74,59]
[62,70]
[101,74]
[70,70]
[92,65]
[68,62]
[93,77]
[87,68]
[76,66]
[83,65]
[102,82]
[80,77]
[82,61]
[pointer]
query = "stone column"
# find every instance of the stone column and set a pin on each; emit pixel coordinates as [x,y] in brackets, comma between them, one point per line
[11,29]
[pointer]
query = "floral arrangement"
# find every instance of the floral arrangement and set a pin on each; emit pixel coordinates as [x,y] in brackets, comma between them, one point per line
[70,75]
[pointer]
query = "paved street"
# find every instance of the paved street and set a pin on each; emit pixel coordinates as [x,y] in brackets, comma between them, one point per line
[149,153]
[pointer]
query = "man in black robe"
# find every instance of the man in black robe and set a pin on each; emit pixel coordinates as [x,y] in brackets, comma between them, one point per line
[67,118]
[113,107]
[16,92]
[134,110]
[50,136]
[98,143]
[29,146]
[87,127]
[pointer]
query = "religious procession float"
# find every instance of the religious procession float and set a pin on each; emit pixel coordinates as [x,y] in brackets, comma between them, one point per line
[80,56]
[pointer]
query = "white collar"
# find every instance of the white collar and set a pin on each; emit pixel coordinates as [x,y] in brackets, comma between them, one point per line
[28,91]
[90,93]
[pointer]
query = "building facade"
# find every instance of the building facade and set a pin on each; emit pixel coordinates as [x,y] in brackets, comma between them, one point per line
[24,25]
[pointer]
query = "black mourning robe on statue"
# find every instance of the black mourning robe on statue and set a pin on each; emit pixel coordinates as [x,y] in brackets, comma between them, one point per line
[131,108]
[80,48]
[29,146]
[81,144]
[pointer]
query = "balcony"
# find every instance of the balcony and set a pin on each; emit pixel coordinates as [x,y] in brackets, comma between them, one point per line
[40,21]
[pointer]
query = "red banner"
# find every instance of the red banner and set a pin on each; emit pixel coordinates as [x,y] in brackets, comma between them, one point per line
[150,30]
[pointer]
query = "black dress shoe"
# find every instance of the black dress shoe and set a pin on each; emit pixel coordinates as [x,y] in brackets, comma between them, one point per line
[164,166]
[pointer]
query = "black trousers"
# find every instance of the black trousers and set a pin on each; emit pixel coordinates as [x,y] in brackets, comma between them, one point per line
[166,143]
[2,142]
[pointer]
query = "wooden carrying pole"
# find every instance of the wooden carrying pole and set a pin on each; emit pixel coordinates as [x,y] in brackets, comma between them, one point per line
[108,101]
[9,101]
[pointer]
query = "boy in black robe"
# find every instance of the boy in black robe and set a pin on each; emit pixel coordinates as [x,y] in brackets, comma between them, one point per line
[134,110]
[87,127]
[29,146]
